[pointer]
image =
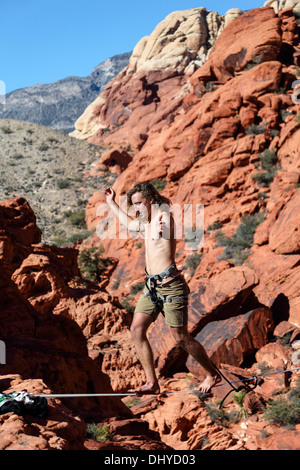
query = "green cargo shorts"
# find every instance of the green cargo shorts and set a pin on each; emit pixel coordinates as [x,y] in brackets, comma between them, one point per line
[175,313]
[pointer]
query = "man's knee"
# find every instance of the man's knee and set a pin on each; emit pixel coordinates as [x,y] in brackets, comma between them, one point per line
[139,325]
[135,330]
[181,337]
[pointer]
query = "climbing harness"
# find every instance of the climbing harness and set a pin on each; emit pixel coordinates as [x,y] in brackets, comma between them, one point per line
[23,403]
[156,297]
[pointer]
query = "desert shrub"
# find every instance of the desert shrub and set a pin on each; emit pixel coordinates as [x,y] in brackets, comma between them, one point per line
[52,140]
[6,130]
[239,398]
[192,262]
[98,433]
[159,184]
[18,156]
[43,147]
[215,226]
[77,218]
[116,284]
[255,61]
[268,168]
[127,305]
[238,246]
[73,238]
[136,288]
[91,263]
[63,183]
[216,415]
[83,235]
[255,129]
[211,86]
[284,411]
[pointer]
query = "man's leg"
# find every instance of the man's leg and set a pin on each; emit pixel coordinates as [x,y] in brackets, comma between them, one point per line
[139,327]
[197,351]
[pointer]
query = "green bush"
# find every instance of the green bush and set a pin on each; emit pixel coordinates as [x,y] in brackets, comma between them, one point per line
[76,218]
[6,130]
[136,288]
[63,183]
[285,411]
[255,61]
[127,305]
[43,147]
[216,415]
[159,184]
[192,262]
[98,433]
[239,398]
[91,263]
[215,226]
[238,246]
[255,129]
[268,168]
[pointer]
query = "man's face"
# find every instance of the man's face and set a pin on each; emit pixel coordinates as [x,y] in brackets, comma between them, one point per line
[142,206]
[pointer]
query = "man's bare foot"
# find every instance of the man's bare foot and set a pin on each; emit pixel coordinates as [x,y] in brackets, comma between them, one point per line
[146,389]
[208,383]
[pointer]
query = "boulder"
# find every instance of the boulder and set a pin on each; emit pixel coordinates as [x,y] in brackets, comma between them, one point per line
[234,340]
[116,160]
[250,46]
[18,219]
[48,346]
[285,232]
[282,440]
[184,424]
[60,430]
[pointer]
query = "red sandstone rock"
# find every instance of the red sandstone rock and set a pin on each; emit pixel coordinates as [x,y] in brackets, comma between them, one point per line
[18,219]
[69,369]
[232,341]
[197,139]
[115,160]
[239,46]
[285,233]
[184,424]
[59,431]
[282,440]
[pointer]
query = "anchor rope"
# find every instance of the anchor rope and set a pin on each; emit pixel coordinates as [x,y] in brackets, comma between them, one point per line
[125,394]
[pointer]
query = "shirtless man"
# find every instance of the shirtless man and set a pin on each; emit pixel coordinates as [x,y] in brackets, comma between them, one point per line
[157,227]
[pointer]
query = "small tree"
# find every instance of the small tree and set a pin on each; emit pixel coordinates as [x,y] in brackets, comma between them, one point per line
[91,263]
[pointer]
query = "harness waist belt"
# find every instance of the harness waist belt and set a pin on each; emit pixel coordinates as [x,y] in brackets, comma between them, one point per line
[151,283]
[170,271]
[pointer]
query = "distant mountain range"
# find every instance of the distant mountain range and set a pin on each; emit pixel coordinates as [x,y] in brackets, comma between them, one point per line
[59,104]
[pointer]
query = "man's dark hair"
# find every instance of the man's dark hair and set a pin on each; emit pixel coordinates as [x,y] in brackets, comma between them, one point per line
[147,190]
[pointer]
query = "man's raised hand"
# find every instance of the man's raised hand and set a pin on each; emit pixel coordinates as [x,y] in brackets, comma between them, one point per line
[110,195]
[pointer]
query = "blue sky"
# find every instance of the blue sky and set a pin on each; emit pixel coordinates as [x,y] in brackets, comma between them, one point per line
[46,40]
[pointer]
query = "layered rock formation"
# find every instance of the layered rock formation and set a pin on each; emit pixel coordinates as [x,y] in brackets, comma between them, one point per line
[46,349]
[204,137]
[225,136]
[177,46]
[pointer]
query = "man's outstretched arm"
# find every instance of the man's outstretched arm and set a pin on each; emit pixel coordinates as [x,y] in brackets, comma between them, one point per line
[133,225]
